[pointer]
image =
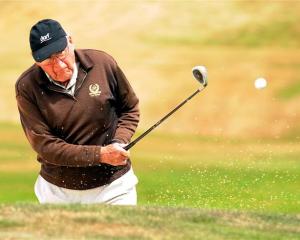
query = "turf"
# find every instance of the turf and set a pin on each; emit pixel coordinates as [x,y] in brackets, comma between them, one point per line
[183,170]
[111,222]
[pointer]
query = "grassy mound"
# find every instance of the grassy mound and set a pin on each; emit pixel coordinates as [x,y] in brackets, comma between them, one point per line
[31,221]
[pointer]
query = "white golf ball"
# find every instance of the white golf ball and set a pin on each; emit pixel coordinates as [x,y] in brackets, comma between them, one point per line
[260,83]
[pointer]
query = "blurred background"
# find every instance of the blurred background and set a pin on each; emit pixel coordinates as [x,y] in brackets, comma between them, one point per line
[232,146]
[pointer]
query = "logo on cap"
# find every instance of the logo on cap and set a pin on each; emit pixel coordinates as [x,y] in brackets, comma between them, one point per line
[45,38]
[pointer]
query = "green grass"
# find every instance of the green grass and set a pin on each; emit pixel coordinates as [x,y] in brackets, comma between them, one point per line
[111,222]
[268,191]
[17,186]
[183,170]
[222,188]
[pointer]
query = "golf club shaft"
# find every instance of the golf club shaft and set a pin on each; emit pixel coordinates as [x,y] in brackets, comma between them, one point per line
[130,145]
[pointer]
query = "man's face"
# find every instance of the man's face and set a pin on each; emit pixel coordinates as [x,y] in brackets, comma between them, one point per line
[59,66]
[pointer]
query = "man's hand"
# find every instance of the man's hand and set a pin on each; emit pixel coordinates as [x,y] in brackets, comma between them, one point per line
[114,154]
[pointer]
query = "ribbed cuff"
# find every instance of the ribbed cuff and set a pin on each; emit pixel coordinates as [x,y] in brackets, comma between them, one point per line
[117,141]
[97,156]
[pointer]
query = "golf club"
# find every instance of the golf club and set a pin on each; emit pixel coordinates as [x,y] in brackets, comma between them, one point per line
[200,75]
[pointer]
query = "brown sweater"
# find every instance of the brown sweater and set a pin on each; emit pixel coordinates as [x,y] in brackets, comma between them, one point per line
[68,131]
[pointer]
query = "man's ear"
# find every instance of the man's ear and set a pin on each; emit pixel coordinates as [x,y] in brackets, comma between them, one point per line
[70,39]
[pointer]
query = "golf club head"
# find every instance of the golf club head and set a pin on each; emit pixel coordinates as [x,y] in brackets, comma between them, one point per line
[200,73]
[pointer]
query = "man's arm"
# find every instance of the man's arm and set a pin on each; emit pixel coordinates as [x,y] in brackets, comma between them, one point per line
[56,151]
[127,108]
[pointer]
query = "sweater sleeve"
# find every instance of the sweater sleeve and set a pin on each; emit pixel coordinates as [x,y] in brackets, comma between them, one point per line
[127,108]
[49,147]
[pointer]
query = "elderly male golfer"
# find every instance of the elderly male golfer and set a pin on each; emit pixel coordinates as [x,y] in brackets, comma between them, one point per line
[78,111]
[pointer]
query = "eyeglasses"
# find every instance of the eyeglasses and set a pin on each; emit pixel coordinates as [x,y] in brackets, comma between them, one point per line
[59,55]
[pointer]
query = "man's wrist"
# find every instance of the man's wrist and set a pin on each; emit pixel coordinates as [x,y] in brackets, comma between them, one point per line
[98,155]
[116,141]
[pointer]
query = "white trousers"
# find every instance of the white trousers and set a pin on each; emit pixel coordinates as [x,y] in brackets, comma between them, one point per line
[122,191]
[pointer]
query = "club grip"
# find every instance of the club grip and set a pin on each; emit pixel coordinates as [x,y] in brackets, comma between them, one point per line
[130,145]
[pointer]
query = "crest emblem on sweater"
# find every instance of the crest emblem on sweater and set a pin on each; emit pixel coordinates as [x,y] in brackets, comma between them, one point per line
[94,90]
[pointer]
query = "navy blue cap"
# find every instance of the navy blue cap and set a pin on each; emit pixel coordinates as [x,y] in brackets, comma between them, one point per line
[47,37]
